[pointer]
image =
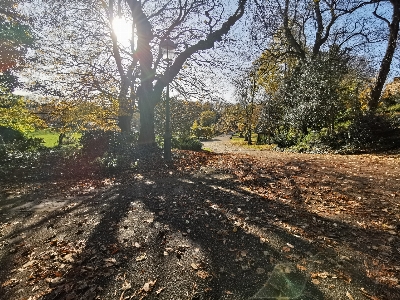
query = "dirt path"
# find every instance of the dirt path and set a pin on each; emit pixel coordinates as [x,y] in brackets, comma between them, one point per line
[212,226]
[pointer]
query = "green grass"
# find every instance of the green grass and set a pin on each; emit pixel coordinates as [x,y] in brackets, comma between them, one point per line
[51,137]
[238,141]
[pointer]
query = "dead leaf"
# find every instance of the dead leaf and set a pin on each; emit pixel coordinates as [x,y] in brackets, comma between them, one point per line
[260,271]
[148,286]
[141,257]
[126,286]
[228,293]
[159,291]
[203,274]
[315,281]
[194,266]
[349,295]
[58,274]
[301,268]
[11,282]
[109,262]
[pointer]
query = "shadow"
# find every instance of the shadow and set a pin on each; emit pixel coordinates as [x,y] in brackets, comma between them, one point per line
[218,233]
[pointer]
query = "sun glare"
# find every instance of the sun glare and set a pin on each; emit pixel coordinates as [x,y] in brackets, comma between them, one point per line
[123,29]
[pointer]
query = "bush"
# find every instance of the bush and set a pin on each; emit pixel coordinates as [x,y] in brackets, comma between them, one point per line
[374,132]
[9,135]
[285,138]
[12,140]
[97,142]
[394,108]
[187,143]
[109,149]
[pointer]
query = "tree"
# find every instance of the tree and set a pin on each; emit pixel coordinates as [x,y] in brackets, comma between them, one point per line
[384,69]
[14,112]
[183,114]
[245,93]
[138,70]
[76,116]
[15,36]
[15,39]
[232,118]
[309,27]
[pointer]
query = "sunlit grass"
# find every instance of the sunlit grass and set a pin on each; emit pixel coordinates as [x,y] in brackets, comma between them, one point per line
[50,138]
[239,141]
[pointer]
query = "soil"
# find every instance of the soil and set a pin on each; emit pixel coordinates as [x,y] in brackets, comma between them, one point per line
[234,223]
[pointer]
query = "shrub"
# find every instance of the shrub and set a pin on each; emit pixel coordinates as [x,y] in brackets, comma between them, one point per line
[374,132]
[97,142]
[285,138]
[187,143]
[8,135]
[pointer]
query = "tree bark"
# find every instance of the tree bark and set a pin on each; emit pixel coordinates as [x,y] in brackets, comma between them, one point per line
[124,123]
[146,134]
[149,93]
[387,59]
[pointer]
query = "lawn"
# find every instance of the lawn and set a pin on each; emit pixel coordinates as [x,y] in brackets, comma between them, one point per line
[239,141]
[51,137]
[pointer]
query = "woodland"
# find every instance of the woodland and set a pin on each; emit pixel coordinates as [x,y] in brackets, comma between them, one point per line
[284,121]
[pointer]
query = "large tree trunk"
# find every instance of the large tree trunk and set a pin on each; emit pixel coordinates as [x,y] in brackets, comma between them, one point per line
[150,89]
[124,123]
[146,133]
[387,59]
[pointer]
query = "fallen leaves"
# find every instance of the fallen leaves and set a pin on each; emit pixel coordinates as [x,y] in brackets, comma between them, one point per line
[141,257]
[148,286]
[203,274]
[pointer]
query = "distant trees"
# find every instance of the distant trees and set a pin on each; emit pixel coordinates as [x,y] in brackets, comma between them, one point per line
[90,53]
[188,118]
[66,116]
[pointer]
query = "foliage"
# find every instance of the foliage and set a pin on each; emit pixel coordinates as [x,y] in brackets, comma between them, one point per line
[391,94]
[208,118]
[183,113]
[15,38]
[187,143]
[73,116]
[200,131]
[14,113]
[232,118]
[312,95]
[286,137]
[374,132]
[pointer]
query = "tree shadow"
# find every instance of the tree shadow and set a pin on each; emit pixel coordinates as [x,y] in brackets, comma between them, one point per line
[199,236]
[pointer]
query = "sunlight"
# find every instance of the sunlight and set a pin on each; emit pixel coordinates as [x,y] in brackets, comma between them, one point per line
[123,29]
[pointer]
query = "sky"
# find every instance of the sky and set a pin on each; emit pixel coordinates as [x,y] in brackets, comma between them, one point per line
[237,55]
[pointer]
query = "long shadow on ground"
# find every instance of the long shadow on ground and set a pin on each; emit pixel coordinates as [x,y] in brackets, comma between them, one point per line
[200,235]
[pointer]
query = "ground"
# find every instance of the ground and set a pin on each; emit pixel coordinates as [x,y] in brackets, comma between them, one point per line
[230,224]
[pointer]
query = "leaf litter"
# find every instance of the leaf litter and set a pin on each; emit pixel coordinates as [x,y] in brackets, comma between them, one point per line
[345,205]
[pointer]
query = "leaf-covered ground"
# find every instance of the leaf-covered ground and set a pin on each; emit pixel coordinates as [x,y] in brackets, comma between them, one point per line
[230,225]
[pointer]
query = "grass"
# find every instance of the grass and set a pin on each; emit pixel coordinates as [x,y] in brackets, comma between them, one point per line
[239,141]
[51,137]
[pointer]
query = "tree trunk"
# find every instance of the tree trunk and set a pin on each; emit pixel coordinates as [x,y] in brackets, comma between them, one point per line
[150,90]
[387,59]
[124,123]
[61,138]
[146,133]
